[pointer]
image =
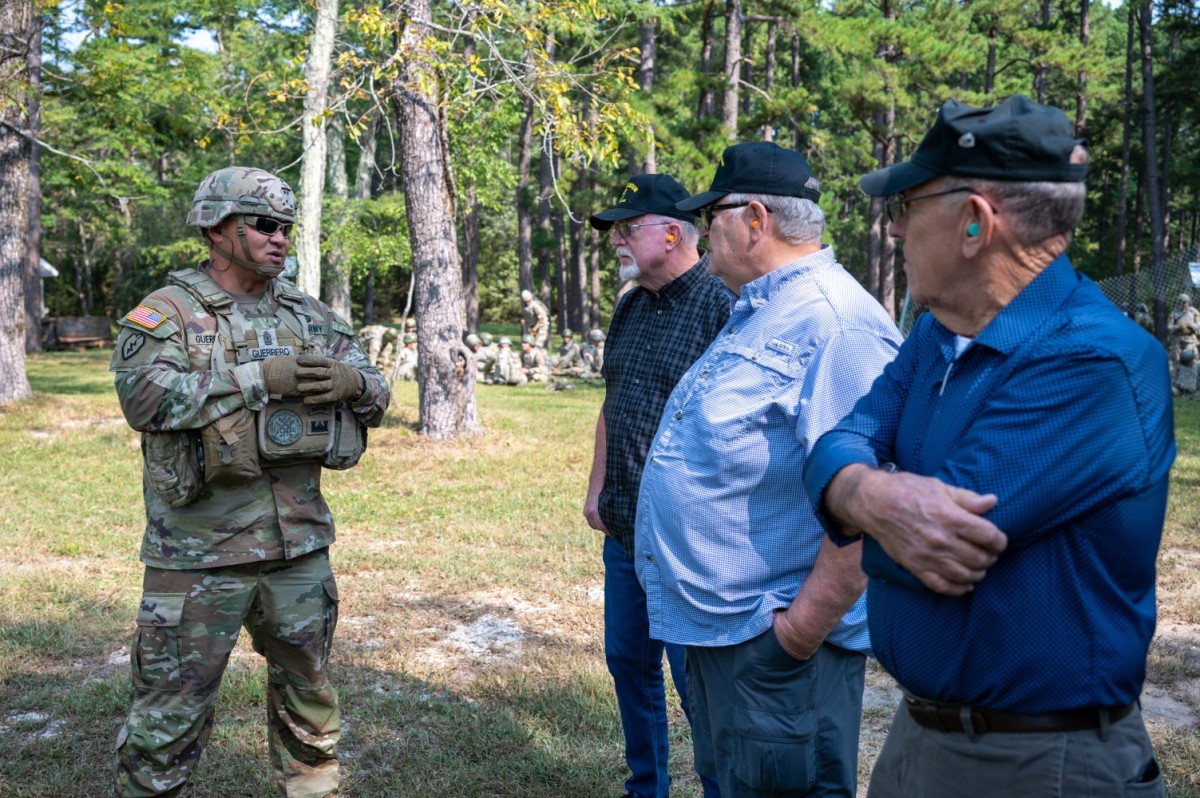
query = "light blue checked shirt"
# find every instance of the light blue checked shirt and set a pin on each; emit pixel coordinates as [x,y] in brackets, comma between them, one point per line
[725,534]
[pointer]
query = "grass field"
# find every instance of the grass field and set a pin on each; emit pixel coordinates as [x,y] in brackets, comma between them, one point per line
[470,651]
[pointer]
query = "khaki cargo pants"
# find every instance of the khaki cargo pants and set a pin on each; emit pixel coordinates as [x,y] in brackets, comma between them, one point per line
[188,622]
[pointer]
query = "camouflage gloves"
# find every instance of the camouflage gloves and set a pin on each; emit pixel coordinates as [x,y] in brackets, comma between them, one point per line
[317,378]
[323,379]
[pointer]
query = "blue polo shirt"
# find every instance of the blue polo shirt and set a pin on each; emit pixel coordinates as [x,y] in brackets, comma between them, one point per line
[1061,406]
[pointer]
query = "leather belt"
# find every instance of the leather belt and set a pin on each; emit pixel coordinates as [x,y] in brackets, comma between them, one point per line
[955,718]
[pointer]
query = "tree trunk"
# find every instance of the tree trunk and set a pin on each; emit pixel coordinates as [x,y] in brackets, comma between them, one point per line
[364,176]
[470,272]
[1126,143]
[646,68]
[337,263]
[1081,93]
[524,217]
[705,105]
[16,34]
[768,129]
[445,367]
[312,159]
[34,306]
[989,75]
[733,60]
[795,75]
[546,243]
[1158,275]
[594,269]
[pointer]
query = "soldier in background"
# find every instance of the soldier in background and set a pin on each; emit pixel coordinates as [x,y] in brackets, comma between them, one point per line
[374,338]
[490,348]
[237,530]
[535,319]
[1186,374]
[569,362]
[508,370]
[1183,328]
[593,353]
[484,364]
[533,360]
[406,360]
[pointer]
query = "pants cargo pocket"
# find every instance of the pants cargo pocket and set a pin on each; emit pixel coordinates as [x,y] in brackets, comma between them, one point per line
[157,649]
[331,617]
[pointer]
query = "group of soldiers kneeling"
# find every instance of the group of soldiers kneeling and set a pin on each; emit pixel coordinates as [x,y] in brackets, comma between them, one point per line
[499,364]
[496,360]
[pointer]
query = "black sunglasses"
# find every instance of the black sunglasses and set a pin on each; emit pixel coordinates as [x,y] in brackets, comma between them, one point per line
[268,226]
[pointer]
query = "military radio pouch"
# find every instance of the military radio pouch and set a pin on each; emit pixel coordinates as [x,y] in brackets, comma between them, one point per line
[230,449]
[173,469]
[292,432]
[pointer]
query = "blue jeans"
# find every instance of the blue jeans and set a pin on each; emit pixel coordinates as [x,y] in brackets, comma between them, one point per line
[635,662]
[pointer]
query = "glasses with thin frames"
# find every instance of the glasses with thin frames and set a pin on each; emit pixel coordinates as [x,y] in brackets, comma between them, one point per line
[898,206]
[706,213]
[268,226]
[625,229]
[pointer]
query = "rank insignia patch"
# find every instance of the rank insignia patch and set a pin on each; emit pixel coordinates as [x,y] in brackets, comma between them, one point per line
[133,344]
[145,317]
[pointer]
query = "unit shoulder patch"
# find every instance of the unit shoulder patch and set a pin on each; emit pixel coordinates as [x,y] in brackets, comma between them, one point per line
[145,317]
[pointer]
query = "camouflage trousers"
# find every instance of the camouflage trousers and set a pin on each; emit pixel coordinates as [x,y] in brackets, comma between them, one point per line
[187,624]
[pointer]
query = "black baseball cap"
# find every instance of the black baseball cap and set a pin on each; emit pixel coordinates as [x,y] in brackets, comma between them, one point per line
[757,167]
[1017,140]
[646,194]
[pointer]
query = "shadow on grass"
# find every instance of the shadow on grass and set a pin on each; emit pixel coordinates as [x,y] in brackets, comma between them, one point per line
[65,697]
[409,739]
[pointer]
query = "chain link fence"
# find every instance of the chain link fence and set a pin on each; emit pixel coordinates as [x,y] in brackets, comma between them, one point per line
[1133,293]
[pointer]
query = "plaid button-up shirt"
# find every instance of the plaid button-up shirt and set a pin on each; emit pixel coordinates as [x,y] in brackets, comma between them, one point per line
[652,340]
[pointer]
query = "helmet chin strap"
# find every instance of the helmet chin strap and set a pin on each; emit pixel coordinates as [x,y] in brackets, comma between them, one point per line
[267,271]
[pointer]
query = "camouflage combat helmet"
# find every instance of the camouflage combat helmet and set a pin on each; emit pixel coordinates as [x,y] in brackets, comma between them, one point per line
[528,339]
[505,341]
[526,295]
[567,334]
[487,338]
[409,338]
[1185,299]
[241,189]
[1187,356]
[473,340]
[596,336]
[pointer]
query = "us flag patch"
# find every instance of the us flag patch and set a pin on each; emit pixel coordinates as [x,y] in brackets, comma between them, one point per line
[145,317]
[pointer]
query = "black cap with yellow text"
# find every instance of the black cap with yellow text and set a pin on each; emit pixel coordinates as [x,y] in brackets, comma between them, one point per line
[644,194]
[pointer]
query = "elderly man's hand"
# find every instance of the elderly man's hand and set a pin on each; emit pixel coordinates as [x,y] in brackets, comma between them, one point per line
[935,530]
[591,511]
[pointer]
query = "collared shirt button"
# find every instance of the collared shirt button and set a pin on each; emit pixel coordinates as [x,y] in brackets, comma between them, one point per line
[679,415]
[637,382]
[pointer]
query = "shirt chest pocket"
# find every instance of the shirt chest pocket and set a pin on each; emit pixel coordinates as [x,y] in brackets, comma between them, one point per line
[747,384]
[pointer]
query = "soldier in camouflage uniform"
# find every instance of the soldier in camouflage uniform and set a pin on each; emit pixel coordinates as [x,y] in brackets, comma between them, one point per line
[535,319]
[242,388]
[593,353]
[485,362]
[1183,328]
[375,338]
[406,360]
[508,370]
[533,360]
[569,361]
[1187,374]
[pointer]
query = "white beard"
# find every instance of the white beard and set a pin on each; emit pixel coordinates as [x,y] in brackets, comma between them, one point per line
[630,272]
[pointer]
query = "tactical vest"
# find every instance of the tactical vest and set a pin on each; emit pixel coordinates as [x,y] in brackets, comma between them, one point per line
[286,431]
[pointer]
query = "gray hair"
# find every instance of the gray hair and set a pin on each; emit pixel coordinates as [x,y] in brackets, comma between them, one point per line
[1039,210]
[798,220]
[688,233]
